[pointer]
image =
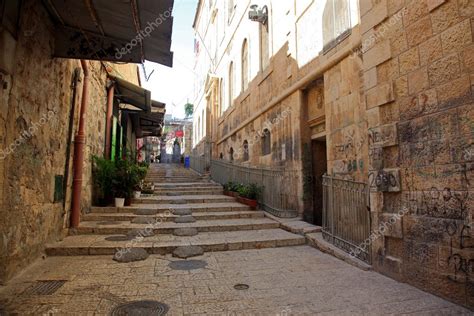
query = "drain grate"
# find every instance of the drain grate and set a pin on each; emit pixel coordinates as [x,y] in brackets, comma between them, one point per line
[187,265]
[241,287]
[44,287]
[142,308]
[119,238]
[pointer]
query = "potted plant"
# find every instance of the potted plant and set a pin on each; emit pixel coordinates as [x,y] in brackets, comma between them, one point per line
[229,189]
[120,183]
[138,177]
[125,180]
[249,194]
[234,189]
[103,171]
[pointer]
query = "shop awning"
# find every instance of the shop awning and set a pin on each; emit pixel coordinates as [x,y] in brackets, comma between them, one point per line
[131,96]
[158,107]
[123,31]
[148,124]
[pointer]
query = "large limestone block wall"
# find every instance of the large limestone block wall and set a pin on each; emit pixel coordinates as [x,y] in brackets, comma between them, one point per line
[35,110]
[250,115]
[419,78]
[346,123]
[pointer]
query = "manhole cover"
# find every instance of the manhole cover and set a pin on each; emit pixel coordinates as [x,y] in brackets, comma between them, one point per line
[119,238]
[142,308]
[187,265]
[241,287]
[107,223]
[44,287]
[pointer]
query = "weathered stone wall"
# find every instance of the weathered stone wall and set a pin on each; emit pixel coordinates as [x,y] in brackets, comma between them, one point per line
[34,125]
[346,123]
[282,120]
[418,76]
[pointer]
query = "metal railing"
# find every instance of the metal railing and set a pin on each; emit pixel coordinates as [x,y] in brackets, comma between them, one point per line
[346,216]
[278,196]
[199,164]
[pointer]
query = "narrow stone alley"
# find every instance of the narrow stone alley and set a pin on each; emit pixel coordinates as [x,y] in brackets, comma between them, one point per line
[222,157]
[235,269]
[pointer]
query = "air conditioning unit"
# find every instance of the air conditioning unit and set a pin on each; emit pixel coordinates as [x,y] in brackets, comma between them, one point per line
[258,15]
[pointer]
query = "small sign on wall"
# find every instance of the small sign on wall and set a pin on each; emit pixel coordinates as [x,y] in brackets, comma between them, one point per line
[58,188]
[385,180]
[383,136]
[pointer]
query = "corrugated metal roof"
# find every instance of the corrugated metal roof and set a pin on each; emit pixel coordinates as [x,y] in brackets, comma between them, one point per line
[126,30]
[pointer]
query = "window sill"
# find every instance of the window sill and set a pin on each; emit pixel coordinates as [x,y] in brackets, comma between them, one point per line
[332,44]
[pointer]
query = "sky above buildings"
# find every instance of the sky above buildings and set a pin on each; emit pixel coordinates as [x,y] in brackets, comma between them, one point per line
[174,86]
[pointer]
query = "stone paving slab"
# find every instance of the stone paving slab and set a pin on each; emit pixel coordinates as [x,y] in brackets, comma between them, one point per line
[282,281]
[163,244]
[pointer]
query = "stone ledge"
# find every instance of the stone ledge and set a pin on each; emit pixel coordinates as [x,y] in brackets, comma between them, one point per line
[279,213]
[316,240]
[295,226]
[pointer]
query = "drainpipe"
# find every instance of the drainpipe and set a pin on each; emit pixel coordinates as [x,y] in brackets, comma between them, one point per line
[108,122]
[79,142]
[72,110]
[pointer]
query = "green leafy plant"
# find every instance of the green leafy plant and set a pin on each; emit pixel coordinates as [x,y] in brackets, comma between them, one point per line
[188,109]
[250,191]
[128,177]
[103,173]
[228,186]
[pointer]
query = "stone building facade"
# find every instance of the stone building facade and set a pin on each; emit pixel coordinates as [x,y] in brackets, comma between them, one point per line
[379,92]
[39,114]
[419,89]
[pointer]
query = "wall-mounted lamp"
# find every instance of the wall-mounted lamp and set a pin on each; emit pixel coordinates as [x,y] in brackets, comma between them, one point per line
[258,15]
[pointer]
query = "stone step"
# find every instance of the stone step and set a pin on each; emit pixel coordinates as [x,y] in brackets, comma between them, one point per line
[186,185]
[188,188]
[187,199]
[198,215]
[81,245]
[174,192]
[173,181]
[196,207]
[166,227]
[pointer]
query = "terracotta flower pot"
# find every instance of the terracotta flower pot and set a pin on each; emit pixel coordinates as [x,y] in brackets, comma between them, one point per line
[249,202]
[230,193]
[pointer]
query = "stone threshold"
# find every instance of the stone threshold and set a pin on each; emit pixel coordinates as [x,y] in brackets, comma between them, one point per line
[295,225]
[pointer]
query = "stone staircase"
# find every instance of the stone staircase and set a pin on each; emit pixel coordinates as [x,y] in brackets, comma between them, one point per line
[156,223]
